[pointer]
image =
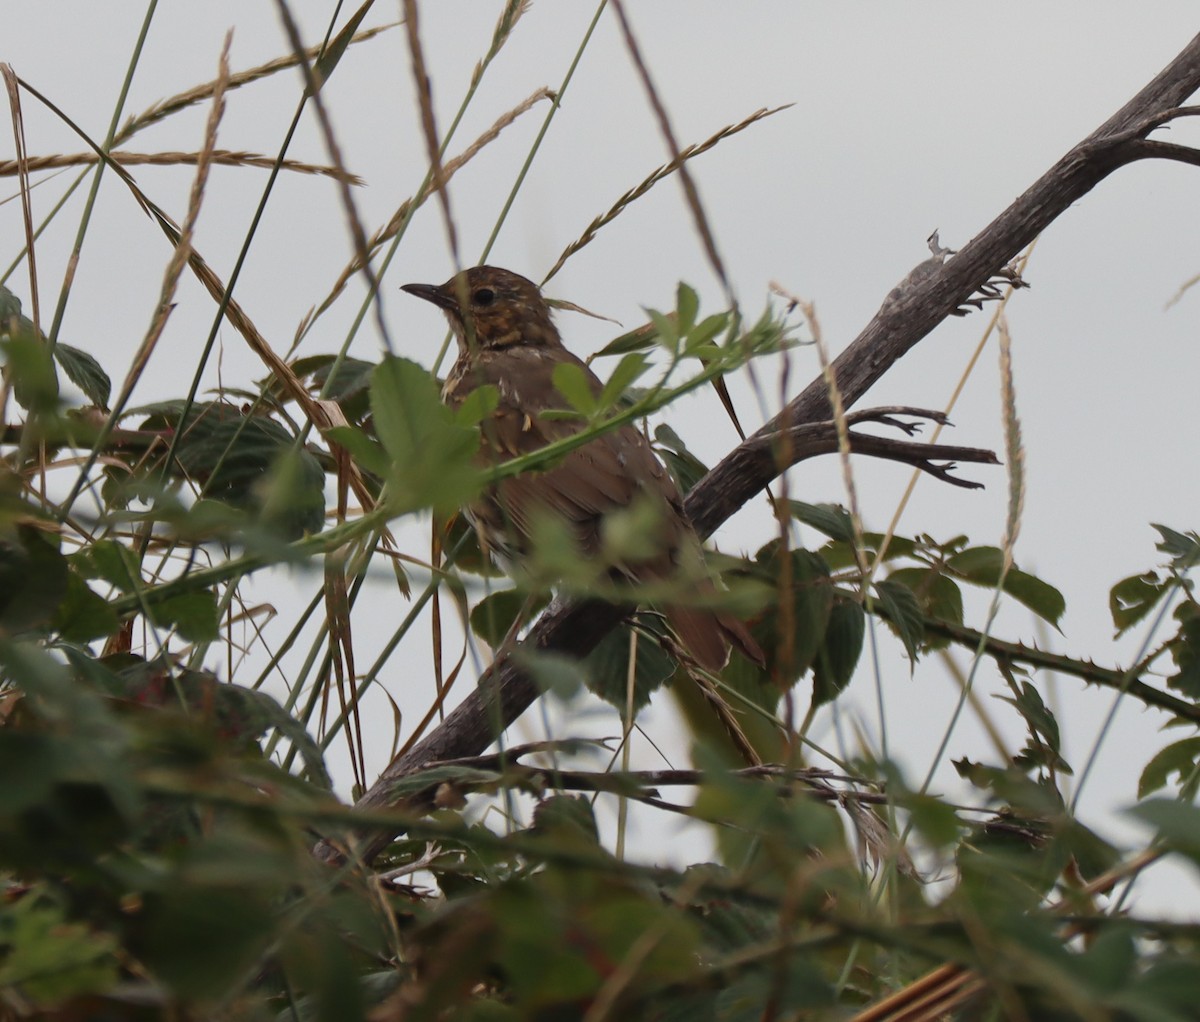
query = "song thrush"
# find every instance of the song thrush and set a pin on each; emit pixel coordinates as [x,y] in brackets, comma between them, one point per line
[506,338]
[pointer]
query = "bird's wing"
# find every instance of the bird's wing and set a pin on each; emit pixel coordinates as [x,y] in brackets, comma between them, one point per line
[606,474]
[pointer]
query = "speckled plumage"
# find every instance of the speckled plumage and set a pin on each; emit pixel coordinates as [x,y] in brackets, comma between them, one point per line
[506,338]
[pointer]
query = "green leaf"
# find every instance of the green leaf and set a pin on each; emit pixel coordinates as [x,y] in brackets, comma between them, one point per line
[553,672]
[109,561]
[628,370]
[831,519]
[366,451]
[1184,548]
[1185,651]
[606,669]
[291,497]
[85,372]
[251,462]
[1177,758]
[30,370]
[984,565]
[704,332]
[1036,714]
[687,305]
[493,616]
[83,615]
[840,649]
[432,455]
[939,596]
[666,330]
[478,405]
[685,468]
[10,308]
[792,633]
[1176,823]
[49,958]
[33,580]
[574,383]
[1131,599]
[903,612]
[193,615]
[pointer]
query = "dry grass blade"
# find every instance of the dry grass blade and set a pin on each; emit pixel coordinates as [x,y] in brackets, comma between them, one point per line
[341,657]
[664,123]
[221,157]
[406,208]
[424,88]
[164,108]
[666,170]
[353,221]
[22,168]
[183,248]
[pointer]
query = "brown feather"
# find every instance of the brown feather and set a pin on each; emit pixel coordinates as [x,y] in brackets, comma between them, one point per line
[506,339]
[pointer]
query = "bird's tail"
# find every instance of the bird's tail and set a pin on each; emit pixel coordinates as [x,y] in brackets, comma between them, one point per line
[707,636]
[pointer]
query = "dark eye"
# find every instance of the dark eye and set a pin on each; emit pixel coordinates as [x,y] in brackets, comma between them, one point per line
[484,296]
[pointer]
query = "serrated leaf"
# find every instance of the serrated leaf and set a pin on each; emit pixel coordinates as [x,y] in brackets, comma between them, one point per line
[831,519]
[109,561]
[1177,823]
[841,646]
[50,958]
[1036,714]
[493,616]
[1177,758]
[347,382]
[792,631]
[666,330]
[1185,651]
[903,612]
[30,371]
[10,308]
[249,462]
[33,580]
[627,371]
[1184,548]
[367,452]
[554,672]
[432,455]
[478,405]
[1131,599]
[83,615]
[687,305]
[939,596]
[685,468]
[85,372]
[573,382]
[193,615]
[984,565]
[606,669]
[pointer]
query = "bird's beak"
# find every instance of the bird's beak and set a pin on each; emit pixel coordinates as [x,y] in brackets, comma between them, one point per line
[440,296]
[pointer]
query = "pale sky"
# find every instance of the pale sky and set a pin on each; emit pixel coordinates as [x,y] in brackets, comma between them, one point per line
[906,118]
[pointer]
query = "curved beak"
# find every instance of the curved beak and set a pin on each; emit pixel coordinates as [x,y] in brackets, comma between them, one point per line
[435,293]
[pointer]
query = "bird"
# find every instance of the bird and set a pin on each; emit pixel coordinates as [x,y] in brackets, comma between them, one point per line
[506,338]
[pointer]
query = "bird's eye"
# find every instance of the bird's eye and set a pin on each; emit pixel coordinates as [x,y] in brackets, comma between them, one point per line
[484,296]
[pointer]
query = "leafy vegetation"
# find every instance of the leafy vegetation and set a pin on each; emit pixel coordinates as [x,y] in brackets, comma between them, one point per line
[166,825]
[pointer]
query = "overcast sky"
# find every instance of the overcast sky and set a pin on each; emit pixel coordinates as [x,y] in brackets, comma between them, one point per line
[905,118]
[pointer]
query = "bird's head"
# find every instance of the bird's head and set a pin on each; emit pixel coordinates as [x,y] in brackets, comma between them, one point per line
[491,308]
